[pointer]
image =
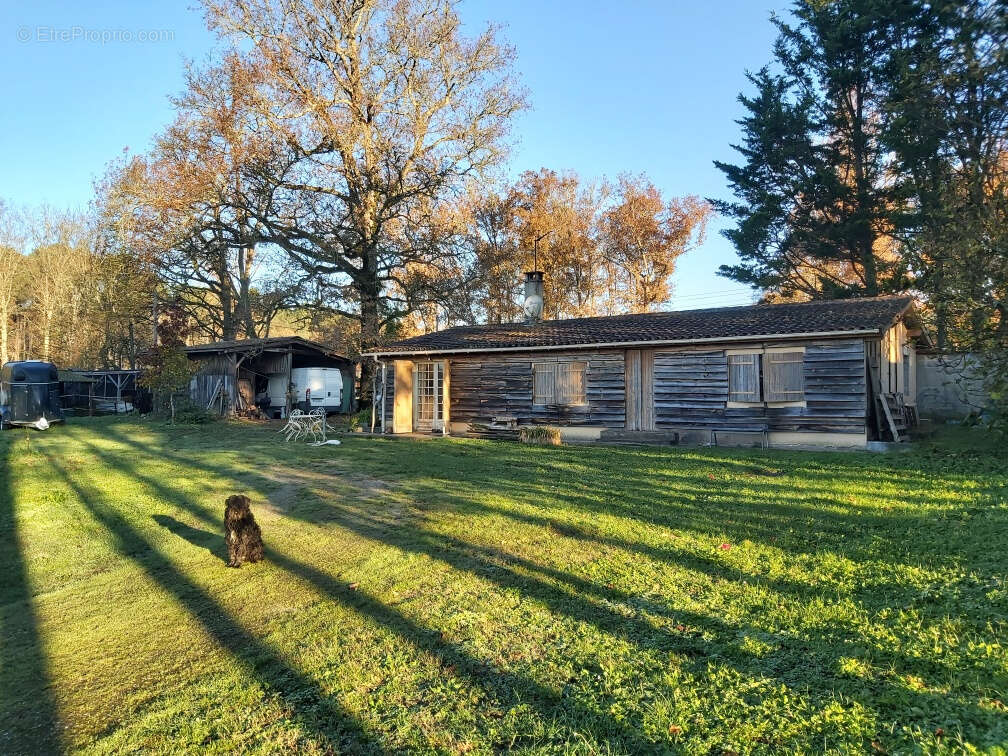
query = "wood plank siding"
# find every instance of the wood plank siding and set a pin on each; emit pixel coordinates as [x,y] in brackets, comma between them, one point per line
[691,390]
[493,386]
[658,389]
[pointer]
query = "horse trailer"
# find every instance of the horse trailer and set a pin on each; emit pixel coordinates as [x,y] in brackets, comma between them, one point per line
[30,394]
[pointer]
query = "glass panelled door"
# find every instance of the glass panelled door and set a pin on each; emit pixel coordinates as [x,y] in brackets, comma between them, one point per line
[428,400]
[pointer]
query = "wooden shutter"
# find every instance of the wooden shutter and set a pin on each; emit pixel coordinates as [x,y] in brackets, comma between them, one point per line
[743,378]
[543,382]
[570,383]
[784,376]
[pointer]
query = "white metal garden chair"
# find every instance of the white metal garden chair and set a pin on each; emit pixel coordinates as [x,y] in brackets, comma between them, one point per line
[315,425]
[296,425]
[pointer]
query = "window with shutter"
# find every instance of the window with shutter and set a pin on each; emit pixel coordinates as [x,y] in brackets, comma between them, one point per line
[560,383]
[570,385]
[543,382]
[784,376]
[744,378]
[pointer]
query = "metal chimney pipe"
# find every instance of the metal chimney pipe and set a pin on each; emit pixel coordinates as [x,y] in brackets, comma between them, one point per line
[533,305]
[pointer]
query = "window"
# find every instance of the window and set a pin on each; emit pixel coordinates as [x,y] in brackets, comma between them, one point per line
[771,376]
[743,378]
[784,376]
[561,383]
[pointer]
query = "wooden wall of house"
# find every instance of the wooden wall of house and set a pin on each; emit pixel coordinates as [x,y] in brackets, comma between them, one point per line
[691,390]
[893,361]
[497,385]
[690,387]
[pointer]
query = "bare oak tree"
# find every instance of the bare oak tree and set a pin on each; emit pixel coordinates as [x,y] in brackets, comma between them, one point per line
[384,109]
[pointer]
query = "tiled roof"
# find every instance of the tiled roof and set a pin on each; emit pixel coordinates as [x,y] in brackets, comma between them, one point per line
[729,323]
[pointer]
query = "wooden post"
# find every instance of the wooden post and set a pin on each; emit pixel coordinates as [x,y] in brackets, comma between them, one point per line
[445,398]
[374,394]
[632,378]
[231,393]
[287,388]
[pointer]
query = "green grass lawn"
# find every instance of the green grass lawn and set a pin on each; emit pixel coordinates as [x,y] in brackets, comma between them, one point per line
[465,596]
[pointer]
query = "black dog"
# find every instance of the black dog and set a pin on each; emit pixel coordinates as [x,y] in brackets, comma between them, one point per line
[241,532]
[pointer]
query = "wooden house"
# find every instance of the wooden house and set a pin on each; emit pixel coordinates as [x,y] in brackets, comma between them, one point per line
[832,373]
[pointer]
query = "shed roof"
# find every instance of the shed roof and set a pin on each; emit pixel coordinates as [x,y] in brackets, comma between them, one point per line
[274,343]
[809,319]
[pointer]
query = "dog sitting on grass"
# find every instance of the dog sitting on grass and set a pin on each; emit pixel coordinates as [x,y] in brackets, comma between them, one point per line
[241,532]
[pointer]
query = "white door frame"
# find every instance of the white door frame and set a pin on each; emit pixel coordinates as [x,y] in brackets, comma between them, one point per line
[428,396]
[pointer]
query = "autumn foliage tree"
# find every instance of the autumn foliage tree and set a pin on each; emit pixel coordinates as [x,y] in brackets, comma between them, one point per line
[604,251]
[643,237]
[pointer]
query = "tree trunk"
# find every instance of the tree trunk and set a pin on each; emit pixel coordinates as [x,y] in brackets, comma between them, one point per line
[132,346]
[228,329]
[3,335]
[243,309]
[868,264]
[370,290]
[45,336]
[154,320]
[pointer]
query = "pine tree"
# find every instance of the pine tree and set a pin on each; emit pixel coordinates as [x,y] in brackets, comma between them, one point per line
[814,198]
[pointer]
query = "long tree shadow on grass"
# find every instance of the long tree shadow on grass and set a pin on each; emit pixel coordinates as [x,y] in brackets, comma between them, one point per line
[465,495]
[794,507]
[29,718]
[768,513]
[503,689]
[587,603]
[794,662]
[315,710]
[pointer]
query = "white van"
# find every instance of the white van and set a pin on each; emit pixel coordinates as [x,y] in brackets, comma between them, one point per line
[314,388]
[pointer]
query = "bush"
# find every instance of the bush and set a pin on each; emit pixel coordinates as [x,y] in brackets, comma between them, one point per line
[993,369]
[361,421]
[540,434]
[168,373]
[189,413]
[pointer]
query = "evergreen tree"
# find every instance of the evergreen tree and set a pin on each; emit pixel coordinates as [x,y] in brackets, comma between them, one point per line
[948,132]
[814,198]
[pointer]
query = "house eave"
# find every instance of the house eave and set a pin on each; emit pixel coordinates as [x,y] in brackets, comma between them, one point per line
[626,344]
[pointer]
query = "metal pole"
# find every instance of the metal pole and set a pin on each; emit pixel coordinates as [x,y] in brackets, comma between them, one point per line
[384,383]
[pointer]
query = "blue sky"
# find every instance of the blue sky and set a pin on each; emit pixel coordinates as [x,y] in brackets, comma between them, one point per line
[640,86]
